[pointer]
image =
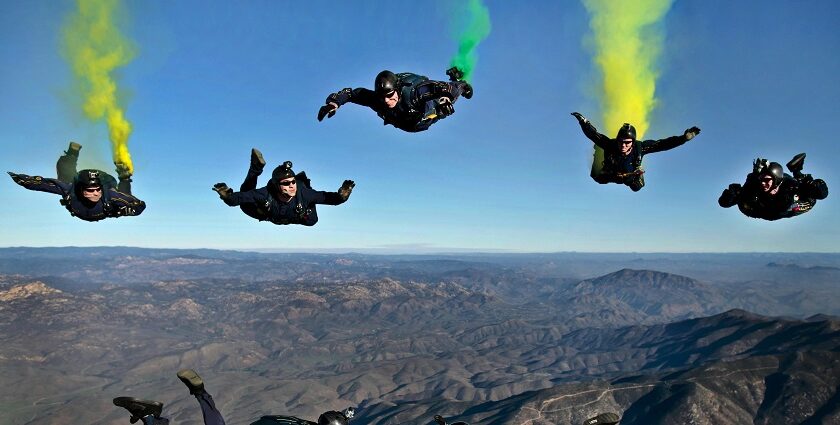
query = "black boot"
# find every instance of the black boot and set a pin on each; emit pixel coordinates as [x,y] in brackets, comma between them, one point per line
[139,408]
[796,164]
[73,149]
[468,91]
[455,74]
[257,161]
[192,381]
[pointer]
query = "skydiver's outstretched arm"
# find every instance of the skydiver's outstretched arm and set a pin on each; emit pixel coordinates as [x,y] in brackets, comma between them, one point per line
[359,96]
[651,146]
[42,184]
[257,196]
[125,204]
[330,198]
[591,132]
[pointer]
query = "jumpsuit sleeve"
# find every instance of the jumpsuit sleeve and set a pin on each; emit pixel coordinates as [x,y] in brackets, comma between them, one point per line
[256,196]
[359,96]
[42,184]
[592,134]
[321,197]
[124,204]
[651,146]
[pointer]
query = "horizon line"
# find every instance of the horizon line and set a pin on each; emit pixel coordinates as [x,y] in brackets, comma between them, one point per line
[408,250]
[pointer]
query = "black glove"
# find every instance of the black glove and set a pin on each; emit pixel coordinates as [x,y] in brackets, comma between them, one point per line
[327,110]
[691,132]
[581,119]
[730,195]
[759,165]
[223,190]
[445,107]
[346,189]
[18,178]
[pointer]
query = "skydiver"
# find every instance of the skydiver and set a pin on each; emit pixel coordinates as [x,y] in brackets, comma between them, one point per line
[283,200]
[407,101]
[149,411]
[770,194]
[623,155]
[90,195]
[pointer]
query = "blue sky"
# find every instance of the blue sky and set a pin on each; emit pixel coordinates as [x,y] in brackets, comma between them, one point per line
[509,171]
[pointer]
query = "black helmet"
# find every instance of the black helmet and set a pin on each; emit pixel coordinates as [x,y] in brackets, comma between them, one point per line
[626,131]
[386,83]
[283,171]
[87,178]
[776,171]
[332,418]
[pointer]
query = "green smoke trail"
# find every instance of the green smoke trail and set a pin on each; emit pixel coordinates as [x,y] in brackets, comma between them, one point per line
[478,28]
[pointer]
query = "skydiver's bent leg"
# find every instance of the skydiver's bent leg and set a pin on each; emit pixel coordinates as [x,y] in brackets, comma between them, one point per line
[254,171]
[66,166]
[250,182]
[124,186]
[212,416]
[460,88]
[195,384]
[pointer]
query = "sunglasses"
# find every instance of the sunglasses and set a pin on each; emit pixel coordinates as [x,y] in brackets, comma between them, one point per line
[288,183]
[93,189]
[767,179]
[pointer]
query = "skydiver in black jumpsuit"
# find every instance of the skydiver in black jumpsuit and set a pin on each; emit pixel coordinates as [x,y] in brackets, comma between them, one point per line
[407,101]
[623,155]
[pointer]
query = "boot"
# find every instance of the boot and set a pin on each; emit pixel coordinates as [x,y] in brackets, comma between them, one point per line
[455,74]
[257,161]
[139,408]
[73,149]
[191,380]
[795,165]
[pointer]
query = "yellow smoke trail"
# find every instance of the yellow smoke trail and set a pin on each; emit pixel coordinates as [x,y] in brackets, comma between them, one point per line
[627,43]
[95,48]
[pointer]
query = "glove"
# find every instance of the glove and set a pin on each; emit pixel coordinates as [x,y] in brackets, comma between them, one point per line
[759,165]
[17,178]
[122,171]
[327,110]
[346,189]
[581,119]
[223,190]
[691,132]
[445,107]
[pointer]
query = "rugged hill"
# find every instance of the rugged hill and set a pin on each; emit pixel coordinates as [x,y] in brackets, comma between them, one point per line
[403,338]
